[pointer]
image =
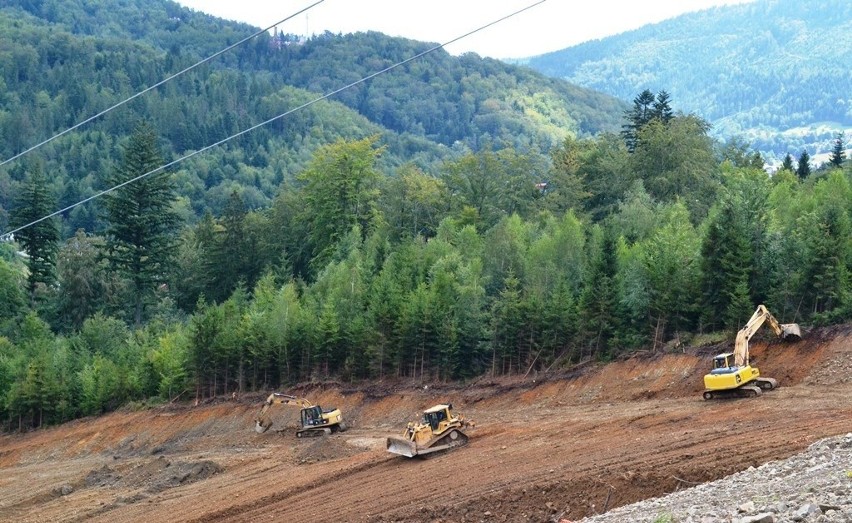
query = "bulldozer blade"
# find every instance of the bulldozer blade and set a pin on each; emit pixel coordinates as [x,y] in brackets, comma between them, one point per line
[403,447]
[791,332]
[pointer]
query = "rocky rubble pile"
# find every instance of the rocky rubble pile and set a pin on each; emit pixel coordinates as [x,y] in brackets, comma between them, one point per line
[812,487]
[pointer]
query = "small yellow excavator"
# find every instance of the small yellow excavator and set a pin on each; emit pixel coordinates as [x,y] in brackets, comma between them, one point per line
[439,430]
[732,375]
[315,420]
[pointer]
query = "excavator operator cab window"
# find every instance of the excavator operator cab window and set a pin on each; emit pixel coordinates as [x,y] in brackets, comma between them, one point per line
[719,362]
[312,416]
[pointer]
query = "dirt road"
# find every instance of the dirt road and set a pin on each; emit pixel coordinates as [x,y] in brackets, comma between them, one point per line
[560,446]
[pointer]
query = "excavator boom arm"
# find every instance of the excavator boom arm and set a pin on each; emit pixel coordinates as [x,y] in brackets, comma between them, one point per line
[263,421]
[757,319]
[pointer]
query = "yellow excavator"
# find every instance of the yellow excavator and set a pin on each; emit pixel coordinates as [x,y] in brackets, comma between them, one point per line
[732,375]
[315,421]
[440,429]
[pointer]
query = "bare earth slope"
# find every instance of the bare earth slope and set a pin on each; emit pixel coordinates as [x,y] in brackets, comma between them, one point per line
[543,448]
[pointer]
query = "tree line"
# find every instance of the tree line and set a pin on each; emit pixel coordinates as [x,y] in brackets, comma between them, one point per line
[507,262]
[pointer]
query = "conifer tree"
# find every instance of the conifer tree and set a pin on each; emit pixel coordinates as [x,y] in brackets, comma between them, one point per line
[641,114]
[788,163]
[599,300]
[39,240]
[83,284]
[233,255]
[726,259]
[661,108]
[740,306]
[838,153]
[506,326]
[804,169]
[142,226]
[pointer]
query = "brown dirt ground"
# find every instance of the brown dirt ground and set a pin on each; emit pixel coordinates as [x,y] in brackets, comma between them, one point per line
[544,447]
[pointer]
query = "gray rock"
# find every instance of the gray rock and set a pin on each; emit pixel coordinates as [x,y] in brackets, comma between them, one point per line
[764,517]
[807,510]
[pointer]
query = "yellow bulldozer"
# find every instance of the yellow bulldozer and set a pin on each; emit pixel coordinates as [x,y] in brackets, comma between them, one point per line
[440,429]
[732,374]
[315,421]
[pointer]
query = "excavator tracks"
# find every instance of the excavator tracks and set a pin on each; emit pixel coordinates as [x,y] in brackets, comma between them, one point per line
[766,383]
[746,391]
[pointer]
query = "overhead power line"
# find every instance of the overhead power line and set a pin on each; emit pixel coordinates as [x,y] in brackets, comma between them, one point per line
[158,84]
[270,120]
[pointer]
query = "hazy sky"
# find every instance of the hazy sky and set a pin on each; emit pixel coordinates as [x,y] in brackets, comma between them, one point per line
[549,26]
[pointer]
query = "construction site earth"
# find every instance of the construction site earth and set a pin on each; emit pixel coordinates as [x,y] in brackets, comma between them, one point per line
[544,448]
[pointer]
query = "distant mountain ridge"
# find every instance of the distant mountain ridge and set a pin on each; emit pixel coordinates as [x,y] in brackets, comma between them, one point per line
[62,61]
[775,72]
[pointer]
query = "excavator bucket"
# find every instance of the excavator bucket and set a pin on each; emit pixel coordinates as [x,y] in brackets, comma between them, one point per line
[260,427]
[403,447]
[791,332]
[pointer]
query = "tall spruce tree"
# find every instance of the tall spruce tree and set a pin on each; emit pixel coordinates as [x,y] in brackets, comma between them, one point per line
[142,225]
[661,108]
[838,153]
[598,304]
[804,169]
[40,239]
[641,113]
[233,259]
[726,258]
[788,163]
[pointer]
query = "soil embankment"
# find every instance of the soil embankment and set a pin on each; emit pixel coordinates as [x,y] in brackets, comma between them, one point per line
[543,447]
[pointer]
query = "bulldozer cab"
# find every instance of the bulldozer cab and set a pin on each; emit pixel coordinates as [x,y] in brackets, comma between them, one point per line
[433,419]
[436,415]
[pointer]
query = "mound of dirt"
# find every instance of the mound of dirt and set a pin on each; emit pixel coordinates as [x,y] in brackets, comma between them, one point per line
[155,475]
[325,448]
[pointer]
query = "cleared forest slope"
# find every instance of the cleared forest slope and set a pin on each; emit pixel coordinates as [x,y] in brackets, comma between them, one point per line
[543,447]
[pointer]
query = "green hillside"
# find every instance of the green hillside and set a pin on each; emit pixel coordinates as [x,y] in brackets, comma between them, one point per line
[62,62]
[774,72]
[455,219]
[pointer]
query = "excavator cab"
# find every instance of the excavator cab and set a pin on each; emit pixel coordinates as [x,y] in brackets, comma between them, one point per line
[723,363]
[312,416]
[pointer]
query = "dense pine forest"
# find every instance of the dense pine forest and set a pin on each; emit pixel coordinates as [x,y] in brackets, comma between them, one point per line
[460,219]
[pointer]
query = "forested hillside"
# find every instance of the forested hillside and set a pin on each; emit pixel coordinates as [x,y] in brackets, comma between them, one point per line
[62,62]
[354,241]
[775,72]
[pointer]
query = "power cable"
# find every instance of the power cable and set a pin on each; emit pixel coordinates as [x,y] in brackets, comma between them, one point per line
[265,122]
[158,84]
